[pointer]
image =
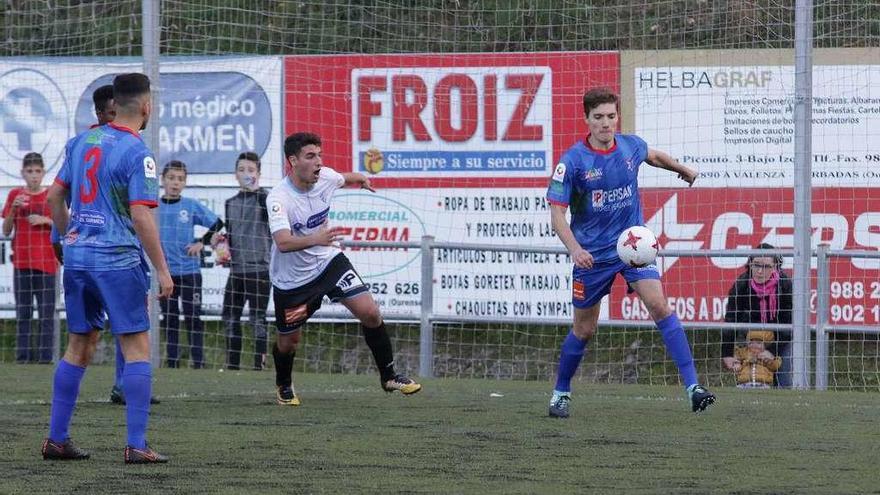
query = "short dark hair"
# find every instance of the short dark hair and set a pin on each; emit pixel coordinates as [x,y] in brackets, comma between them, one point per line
[32,158]
[128,87]
[777,258]
[174,165]
[296,142]
[250,156]
[597,96]
[102,96]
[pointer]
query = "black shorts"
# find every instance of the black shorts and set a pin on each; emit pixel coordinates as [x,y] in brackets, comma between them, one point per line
[338,281]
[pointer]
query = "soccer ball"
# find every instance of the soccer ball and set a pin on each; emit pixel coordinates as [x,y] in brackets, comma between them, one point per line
[637,246]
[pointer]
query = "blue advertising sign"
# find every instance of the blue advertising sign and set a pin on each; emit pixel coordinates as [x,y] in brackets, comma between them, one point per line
[205,118]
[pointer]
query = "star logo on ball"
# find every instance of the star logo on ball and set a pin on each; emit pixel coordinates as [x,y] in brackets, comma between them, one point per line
[632,241]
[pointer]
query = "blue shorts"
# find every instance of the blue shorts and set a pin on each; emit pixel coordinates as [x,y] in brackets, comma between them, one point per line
[589,286]
[121,294]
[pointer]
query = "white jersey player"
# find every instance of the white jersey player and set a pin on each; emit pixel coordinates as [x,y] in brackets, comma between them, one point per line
[307,264]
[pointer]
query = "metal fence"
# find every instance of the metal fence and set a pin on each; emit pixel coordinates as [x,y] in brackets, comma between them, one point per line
[812,368]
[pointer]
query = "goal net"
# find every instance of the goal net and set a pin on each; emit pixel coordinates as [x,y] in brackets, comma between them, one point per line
[458,113]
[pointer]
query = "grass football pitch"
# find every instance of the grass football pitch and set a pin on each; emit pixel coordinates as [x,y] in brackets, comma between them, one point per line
[225,434]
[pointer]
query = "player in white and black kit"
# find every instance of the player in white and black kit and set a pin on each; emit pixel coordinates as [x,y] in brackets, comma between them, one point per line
[307,264]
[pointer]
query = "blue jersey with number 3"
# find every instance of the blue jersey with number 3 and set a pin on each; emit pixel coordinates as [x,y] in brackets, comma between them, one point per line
[106,170]
[601,188]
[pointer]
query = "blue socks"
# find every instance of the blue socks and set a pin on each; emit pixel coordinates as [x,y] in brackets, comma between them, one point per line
[65,389]
[136,385]
[678,347]
[120,363]
[570,357]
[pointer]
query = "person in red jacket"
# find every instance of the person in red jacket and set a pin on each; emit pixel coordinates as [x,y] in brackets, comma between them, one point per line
[26,213]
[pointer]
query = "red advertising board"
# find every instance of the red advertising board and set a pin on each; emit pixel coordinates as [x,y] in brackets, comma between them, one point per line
[452,120]
[700,219]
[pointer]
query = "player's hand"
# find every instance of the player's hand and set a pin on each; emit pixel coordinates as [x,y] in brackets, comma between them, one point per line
[20,201]
[328,236]
[194,249]
[688,175]
[729,362]
[367,185]
[166,285]
[737,366]
[582,258]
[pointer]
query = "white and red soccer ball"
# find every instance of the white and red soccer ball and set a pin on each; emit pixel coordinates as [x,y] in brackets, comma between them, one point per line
[637,246]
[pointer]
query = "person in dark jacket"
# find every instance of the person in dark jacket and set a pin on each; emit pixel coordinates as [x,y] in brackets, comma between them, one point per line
[761,294]
[249,241]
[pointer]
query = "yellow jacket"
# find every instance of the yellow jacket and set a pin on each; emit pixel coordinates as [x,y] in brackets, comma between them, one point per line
[753,369]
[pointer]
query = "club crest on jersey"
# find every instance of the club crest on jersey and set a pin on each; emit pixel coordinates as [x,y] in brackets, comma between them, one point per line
[593,174]
[559,172]
[183,216]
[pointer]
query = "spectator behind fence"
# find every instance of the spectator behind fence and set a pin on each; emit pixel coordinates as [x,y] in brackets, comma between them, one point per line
[249,241]
[753,364]
[761,294]
[178,216]
[27,214]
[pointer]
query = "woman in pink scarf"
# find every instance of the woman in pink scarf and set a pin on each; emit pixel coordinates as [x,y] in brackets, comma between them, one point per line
[761,294]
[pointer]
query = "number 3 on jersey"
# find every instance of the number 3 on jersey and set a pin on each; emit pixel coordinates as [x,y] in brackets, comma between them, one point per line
[93,159]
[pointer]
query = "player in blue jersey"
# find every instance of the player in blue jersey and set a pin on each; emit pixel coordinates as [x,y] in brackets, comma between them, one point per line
[109,178]
[598,179]
[105,112]
[178,217]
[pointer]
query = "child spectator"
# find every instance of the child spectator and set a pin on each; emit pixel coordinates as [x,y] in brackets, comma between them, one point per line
[177,218]
[754,365]
[27,214]
[247,227]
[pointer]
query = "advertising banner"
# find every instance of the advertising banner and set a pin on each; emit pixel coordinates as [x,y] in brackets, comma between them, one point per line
[699,219]
[735,124]
[209,110]
[468,120]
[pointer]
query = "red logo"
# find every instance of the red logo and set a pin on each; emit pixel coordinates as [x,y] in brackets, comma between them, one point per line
[631,241]
[293,315]
[577,290]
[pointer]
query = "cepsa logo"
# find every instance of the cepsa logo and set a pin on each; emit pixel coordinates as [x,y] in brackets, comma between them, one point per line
[370,217]
[453,121]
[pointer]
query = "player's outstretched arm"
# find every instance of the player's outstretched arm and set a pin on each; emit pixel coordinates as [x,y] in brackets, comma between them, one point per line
[325,236]
[579,255]
[662,160]
[146,230]
[354,178]
[57,199]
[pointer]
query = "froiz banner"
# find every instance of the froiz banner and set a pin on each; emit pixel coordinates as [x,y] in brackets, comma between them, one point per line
[210,110]
[452,121]
[468,120]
